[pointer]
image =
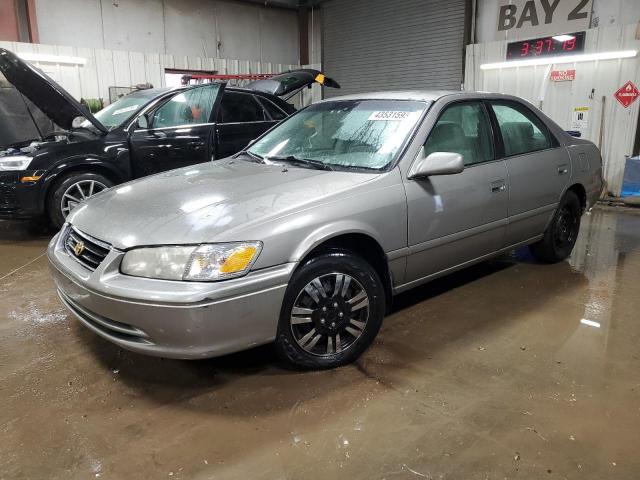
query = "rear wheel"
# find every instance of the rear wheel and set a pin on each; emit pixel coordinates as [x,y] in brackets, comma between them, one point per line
[72,189]
[562,233]
[332,311]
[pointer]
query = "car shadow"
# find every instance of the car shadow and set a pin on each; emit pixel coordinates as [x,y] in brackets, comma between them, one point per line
[423,322]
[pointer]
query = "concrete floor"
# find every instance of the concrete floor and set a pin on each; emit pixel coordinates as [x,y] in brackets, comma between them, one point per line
[488,373]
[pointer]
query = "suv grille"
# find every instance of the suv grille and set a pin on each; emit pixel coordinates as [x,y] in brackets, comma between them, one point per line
[85,249]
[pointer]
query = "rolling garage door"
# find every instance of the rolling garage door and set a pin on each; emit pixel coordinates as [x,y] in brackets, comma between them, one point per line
[393,44]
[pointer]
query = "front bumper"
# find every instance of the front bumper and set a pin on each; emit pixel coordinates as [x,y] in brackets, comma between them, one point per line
[17,199]
[171,319]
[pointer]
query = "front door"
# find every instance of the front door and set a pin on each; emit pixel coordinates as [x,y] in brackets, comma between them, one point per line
[538,167]
[241,118]
[180,132]
[454,219]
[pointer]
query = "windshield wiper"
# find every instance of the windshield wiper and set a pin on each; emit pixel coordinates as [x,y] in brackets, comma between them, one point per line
[317,164]
[256,158]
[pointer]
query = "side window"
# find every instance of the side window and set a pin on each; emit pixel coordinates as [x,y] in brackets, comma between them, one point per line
[191,107]
[522,131]
[463,128]
[239,108]
[274,112]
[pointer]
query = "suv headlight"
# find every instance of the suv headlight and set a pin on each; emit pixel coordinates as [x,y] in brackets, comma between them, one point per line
[15,162]
[205,263]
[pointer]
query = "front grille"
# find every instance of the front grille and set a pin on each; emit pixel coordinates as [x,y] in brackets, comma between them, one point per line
[8,198]
[87,250]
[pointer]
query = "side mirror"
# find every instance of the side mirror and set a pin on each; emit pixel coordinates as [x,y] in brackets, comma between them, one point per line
[142,122]
[77,122]
[437,163]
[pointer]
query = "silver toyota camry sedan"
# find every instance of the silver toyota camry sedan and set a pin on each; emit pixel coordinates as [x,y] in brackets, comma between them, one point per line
[303,238]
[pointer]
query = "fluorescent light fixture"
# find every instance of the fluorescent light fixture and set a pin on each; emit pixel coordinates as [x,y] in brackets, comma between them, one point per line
[563,38]
[585,57]
[591,323]
[46,58]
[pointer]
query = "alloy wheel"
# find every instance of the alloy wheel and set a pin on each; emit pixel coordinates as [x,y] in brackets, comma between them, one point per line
[77,192]
[329,314]
[565,231]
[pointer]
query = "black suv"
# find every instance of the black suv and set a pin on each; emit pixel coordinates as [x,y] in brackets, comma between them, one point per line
[54,154]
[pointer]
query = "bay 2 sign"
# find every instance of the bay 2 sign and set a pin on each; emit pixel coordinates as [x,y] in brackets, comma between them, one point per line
[519,19]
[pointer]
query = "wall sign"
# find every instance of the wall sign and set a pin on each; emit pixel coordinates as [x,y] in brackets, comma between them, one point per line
[627,94]
[580,119]
[530,18]
[562,75]
[564,44]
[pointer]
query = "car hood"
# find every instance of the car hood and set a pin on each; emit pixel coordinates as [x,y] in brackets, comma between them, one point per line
[53,100]
[205,203]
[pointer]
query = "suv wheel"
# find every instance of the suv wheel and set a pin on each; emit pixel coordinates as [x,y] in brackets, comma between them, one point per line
[332,311]
[562,233]
[70,190]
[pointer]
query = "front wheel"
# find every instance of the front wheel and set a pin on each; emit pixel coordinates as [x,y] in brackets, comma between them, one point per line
[562,233]
[70,190]
[332,311]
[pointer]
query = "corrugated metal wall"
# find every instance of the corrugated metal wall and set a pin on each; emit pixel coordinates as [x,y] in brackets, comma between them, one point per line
[113,68]
[393,44]
[203,28]
[560,98]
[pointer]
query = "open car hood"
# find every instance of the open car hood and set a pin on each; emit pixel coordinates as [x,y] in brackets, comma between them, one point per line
[292,81]
[53,100]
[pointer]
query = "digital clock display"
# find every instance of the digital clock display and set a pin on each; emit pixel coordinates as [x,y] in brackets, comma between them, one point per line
[557,45]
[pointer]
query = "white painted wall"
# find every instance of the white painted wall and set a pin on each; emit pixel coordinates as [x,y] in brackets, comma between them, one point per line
[604,13]
[558,99]
[203,28]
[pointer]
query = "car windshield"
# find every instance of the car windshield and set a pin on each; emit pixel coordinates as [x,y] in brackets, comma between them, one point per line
[365,134]
[120,110]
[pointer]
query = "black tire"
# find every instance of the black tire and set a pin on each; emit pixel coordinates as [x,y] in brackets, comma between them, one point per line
[327,267]
[54,199]
[561,234]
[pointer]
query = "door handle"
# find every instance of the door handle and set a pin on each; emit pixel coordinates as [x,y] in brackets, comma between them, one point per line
[498,186]
[563,169]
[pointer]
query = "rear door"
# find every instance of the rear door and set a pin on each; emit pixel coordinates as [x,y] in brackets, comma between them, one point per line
[454,219]
[180,132]
[240,119]
[539,169]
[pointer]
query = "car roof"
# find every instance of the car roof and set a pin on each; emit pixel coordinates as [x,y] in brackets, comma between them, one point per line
[421,95]
[418,95]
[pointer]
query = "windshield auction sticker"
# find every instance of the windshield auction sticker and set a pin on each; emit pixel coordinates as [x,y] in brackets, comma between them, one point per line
[387,115]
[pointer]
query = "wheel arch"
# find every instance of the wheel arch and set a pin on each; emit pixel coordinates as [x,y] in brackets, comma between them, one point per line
[359,241]
[580,192]
[65,168]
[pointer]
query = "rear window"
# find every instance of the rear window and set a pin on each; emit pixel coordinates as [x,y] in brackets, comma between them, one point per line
[274,112]
[240,108]
[522,132]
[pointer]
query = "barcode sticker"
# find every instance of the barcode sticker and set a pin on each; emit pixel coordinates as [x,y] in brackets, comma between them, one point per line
[387,115]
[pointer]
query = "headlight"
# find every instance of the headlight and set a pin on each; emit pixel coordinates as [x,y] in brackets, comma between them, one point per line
[16,162]
[199,263]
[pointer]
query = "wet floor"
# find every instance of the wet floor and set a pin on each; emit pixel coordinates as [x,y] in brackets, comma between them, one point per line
[510,369]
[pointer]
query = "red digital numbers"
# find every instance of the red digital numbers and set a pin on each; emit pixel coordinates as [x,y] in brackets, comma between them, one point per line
[538,46]
[569,45]
[524,51]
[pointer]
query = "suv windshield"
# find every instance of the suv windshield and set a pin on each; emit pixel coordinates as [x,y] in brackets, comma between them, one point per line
[120,110]
[366,134]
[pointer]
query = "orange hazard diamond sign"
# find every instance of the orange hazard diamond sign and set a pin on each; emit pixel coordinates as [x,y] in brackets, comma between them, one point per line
[627,94]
